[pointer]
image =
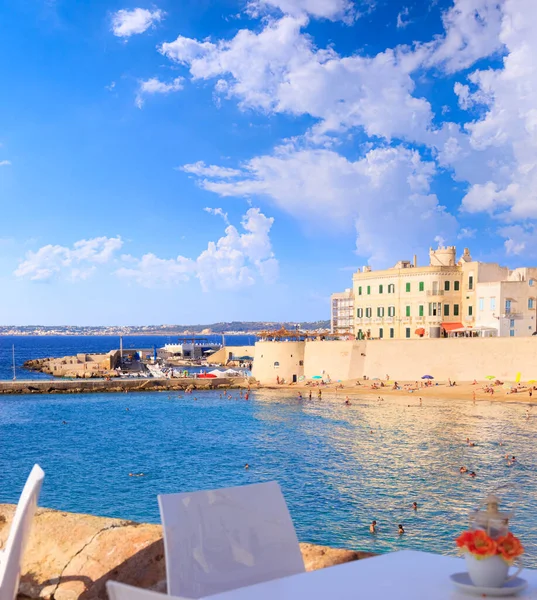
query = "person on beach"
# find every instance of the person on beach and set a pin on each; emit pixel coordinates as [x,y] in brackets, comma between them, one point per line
[299,396]
[347,401]
[319,394]
[401,530]
[421,402]
[373,527]
[310,395]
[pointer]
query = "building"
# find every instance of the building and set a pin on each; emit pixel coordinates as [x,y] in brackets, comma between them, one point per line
[342,315]
[445,298]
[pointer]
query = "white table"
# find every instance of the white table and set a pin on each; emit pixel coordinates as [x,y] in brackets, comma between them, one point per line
[405,575]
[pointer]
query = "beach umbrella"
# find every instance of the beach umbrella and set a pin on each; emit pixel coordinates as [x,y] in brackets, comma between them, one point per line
[375,379]
[427,377]
[316,377]
[532,381]
[490,377]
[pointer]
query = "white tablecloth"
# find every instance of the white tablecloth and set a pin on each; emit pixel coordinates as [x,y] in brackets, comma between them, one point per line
[405,575]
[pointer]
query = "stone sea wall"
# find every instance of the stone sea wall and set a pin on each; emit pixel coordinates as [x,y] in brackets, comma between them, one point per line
[72,556]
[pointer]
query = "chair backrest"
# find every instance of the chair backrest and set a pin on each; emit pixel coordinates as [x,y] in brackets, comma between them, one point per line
[220,540]
[11,563]
[122,591]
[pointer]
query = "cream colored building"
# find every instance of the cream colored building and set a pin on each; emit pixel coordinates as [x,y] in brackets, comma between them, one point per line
[342,312]
[446,297]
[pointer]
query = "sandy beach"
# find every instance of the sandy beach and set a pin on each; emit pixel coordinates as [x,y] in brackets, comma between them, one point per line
[407,389]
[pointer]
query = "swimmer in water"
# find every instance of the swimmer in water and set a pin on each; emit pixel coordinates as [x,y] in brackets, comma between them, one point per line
[401,530]
[64,422]
[472,475]
[463,470]
[373,527]
[310,395]
[415,505]
[246,466]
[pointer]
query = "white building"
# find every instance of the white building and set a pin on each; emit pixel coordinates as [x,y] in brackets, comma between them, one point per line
[342,314]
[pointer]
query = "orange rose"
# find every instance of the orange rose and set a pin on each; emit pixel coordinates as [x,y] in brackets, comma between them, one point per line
[509,547]
[477,543]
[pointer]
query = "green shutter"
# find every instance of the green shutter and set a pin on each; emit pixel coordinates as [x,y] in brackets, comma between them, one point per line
[456,285]
[446,286]
[360,291]
[446,310]
[408,287]
[456,309]
[380,289]
[368,289]
[422,286]
[421,310]
[408,311]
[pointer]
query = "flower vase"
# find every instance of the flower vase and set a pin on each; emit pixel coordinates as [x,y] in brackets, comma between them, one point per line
[490,572]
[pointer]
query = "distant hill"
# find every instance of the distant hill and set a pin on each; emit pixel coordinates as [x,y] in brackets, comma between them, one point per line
[253,326]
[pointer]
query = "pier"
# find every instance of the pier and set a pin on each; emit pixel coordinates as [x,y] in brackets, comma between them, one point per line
[86,386]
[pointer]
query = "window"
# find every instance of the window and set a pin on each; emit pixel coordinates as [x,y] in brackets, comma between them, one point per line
[511,322]
[408,287]
[381,289]
[368,289]
[530,281]
[391,311]
[508,306]
[420,310]
[434,309]
[407,332]
[421,286]
[446,310]
[381,333]
[471,282]
[407,310]
[456,285]
[391,288]
[380,311]
[446,286]
[470,311]
[493,303]
[368,312]
[455,310]
[481,303]
[392,332]
[360,290]
[512,333]
[276,365]
[360,313]
[531,304]
[300,363]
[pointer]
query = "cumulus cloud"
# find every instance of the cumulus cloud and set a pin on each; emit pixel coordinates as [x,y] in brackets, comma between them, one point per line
[155,86]
[76,262]
[201,169]
[218,212]
[333,10]
[385,195]
[130,22]
[236,260]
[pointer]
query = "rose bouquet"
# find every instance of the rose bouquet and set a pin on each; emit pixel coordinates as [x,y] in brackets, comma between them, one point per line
[480,545]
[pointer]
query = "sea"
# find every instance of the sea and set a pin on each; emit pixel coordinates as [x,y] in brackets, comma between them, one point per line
[339,466]
[29,347]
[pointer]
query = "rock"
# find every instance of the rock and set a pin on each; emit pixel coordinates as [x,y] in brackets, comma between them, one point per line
[71,556]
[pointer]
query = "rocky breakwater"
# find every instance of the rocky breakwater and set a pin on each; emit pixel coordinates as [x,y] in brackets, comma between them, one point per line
[82,365]
[71,556]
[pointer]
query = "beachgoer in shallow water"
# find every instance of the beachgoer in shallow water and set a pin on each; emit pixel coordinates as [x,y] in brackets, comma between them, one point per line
[310,395]
[64,422]
[415,505]
[401,530]
[467,440]
[513,458]
[246,466]
[319,394]
[463,470]
[373,527]
[347,401]
[472,474]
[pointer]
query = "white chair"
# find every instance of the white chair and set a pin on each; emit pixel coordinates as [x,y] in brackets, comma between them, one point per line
[220,540]
[11,559]
[121,591]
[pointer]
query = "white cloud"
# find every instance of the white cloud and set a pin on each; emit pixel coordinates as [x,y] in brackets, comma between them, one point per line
[201,169]
[155,86]
[217,212]
[402,21]
[520,240]
[53,260]
[5,163]
[333,10]
[466,233]
[236,260]
[129,22]
[385,195]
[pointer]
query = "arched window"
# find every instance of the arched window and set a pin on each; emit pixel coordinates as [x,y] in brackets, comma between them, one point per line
[276,364]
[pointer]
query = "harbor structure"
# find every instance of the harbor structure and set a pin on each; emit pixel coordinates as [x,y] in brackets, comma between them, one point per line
[446,298]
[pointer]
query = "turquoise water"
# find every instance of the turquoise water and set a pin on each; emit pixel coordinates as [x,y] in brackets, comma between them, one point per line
[339,466]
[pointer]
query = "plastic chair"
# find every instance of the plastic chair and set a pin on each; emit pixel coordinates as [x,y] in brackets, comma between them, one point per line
[220,540]
[11,558]
[122,591]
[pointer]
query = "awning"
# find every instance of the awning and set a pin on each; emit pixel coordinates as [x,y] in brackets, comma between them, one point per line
[420,331]
[451,326]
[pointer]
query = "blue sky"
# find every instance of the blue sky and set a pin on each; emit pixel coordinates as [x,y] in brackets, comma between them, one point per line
[214,160]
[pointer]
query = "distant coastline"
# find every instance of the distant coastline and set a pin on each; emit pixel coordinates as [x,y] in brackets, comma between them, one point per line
[224,328]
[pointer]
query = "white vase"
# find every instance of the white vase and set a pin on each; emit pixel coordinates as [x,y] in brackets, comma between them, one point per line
[491,572]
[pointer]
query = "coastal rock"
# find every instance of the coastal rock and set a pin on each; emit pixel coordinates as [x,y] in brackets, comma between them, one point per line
[72,556]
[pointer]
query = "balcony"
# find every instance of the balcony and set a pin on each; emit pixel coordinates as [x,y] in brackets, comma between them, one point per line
[512,314]
[435,292]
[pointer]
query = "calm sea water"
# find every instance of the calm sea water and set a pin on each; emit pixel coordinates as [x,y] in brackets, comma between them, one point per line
[28,347]
[339,467]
